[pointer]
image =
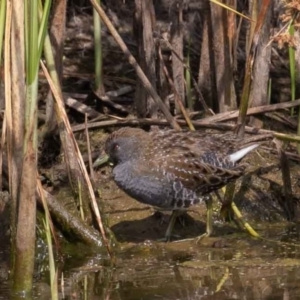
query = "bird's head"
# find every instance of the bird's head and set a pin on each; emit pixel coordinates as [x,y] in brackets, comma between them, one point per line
[124,145]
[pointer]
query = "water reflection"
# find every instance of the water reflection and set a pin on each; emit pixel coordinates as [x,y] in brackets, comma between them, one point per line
[166,281]
[243,269]
[260,271]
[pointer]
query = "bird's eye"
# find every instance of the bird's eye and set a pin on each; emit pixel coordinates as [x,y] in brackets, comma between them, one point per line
[116,147]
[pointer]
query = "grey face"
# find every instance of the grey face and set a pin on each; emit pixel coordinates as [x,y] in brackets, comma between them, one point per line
[122,149]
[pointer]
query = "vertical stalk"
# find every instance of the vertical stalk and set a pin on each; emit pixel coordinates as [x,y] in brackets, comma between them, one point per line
[24,254]
[188,81]
[292,62]
[25,236]
[2,24]
[98,48]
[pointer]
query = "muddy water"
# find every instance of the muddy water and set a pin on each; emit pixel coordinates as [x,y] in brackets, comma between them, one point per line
[242,268]
[232,267]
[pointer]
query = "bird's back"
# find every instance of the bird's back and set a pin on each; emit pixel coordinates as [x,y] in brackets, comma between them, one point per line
[209,148]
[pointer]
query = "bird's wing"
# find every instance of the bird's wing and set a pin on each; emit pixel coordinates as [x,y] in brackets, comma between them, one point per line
[211,148]
[196,142]
[199,160]
[196,175]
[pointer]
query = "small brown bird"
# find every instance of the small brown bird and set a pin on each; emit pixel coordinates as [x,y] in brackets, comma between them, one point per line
[174,169]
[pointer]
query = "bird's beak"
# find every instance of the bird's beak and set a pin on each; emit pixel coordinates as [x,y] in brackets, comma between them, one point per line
[101,160]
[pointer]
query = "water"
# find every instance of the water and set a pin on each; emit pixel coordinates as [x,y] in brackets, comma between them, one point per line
[244,268]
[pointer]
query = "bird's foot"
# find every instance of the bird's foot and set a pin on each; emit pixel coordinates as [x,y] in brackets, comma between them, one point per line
[169,238]
[202,237]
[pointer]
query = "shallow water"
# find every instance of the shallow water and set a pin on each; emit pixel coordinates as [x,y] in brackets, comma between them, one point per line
[243,268]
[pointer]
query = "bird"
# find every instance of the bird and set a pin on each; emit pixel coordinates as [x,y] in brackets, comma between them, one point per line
[174,170]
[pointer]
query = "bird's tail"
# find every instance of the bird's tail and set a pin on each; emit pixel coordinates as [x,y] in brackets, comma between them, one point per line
[236,156]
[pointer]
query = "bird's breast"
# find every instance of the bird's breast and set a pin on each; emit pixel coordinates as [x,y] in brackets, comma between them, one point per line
[154,188]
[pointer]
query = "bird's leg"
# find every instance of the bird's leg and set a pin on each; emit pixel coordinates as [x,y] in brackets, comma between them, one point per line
[209,207]
[175,214]
[228,206]
[209,229]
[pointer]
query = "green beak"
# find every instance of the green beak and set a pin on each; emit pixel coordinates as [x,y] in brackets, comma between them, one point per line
[101,160]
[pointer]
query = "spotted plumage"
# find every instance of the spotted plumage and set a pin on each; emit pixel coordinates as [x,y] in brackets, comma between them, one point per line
[171,169]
